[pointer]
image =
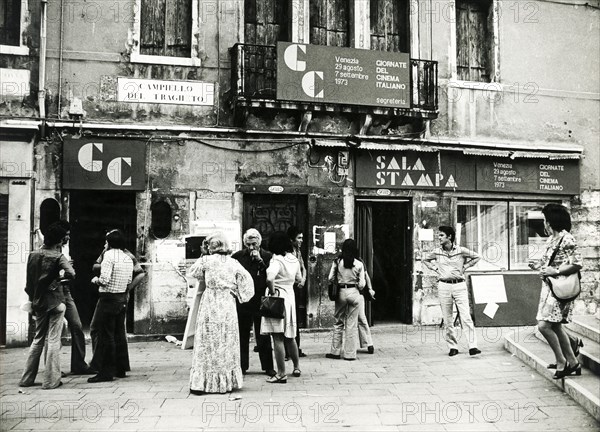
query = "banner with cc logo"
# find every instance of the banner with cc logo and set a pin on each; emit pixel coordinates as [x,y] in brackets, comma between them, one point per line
[105,164]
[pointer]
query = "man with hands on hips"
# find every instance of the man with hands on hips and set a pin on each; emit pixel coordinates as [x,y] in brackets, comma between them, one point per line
[452,261]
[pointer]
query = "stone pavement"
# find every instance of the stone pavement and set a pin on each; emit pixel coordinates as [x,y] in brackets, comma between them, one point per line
[409,384]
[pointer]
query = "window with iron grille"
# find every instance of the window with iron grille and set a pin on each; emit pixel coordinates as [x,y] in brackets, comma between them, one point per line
[266,21]
[164,29]
[330,22]
[474,33]
[390,28]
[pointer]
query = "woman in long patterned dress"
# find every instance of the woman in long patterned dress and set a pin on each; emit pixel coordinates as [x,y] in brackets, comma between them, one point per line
[216,357]
[552,313]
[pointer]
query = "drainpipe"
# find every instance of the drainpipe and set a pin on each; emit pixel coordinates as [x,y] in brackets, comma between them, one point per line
[60,54]
[42,67]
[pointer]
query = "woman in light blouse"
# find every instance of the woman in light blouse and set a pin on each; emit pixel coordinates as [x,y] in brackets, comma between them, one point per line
[351,279]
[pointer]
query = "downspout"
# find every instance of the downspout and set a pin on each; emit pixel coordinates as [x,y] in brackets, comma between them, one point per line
[60,55]
[42,68]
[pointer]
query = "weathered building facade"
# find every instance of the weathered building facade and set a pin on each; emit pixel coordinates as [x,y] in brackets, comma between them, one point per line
[171,118]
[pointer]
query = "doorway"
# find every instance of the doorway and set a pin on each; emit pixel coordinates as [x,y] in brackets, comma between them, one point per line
[92,214]
[3,264]
[270,213]
[385,240]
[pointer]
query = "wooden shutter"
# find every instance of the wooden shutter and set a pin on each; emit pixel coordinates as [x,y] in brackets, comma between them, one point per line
[166,28]
[178,26]
[390,28]
[266,21]
[329,22]
[472,40]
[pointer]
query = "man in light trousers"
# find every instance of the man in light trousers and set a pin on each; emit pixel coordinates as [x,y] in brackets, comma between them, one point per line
[451,262]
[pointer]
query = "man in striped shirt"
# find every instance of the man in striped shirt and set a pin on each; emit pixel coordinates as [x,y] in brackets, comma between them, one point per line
[115,274]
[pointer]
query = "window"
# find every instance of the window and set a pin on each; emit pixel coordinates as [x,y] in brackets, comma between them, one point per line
[164,30]
[161,219]
[266,21]
[506,234]
[49,213]
[474,34]
[330,22]
[390,29]
[13,15]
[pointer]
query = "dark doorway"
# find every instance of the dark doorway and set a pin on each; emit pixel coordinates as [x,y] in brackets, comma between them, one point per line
[270,213]
[92,215]
[3,264]
[388,257]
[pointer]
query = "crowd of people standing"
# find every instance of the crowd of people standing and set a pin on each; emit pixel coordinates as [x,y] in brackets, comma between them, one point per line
[232,287]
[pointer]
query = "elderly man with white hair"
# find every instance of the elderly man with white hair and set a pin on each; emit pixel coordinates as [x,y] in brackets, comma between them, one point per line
[256,260]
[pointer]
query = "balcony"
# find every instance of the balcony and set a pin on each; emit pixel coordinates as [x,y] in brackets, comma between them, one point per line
[254,85]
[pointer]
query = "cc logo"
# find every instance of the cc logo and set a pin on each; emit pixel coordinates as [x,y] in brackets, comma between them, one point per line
[294,57]
[117,170]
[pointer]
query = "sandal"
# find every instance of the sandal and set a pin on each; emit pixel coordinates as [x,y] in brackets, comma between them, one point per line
[297,372]
[277,380]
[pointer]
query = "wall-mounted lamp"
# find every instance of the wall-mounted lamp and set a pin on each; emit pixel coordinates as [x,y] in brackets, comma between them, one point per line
[176,217]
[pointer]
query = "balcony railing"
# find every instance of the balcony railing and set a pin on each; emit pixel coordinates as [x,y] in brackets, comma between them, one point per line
[254,77]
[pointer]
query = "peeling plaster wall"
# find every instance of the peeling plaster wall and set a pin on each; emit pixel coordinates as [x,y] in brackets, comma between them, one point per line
[178,168]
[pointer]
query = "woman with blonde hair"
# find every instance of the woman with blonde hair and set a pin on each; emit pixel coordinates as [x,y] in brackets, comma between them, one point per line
[216,357]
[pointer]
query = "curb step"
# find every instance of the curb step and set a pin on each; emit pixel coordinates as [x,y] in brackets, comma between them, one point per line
[589,355]
[584,389]
[587,326]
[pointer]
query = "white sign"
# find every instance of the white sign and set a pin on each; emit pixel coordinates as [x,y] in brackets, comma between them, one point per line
[488,289]
[490,310]
[231,229]
[425,234]
[14,83]
[165,92]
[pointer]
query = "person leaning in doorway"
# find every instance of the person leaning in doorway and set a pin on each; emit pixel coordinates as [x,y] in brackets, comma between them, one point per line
[452,261]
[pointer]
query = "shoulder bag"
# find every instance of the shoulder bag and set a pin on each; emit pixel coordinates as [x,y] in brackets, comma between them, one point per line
[564,288]
[333,289]
[272,306]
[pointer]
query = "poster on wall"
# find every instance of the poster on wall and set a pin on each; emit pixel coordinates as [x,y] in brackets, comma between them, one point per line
[315,73]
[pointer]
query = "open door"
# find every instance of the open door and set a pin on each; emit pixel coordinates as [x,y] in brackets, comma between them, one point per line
[92,214]
[385,243]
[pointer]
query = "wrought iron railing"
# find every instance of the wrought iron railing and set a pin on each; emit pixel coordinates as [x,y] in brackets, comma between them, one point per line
[254,76]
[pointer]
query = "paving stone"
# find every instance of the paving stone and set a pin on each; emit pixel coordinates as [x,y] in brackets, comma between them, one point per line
[409,384]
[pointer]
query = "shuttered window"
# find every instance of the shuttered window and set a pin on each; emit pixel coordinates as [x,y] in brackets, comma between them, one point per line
[473,40]
[266,21]
[330,22]
[390,29]
[10,22]
[166,28]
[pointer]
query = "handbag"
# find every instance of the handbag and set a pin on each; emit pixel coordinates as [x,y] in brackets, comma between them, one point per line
[564,288]
[366,291]
[333,289]
[272,306]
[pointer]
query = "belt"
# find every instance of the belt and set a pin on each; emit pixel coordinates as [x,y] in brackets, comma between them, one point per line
[347,285]
[452,281]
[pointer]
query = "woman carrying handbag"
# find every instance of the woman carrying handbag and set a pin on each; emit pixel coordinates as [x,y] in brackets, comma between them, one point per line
[351,278]
[560,258]
[282,273]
